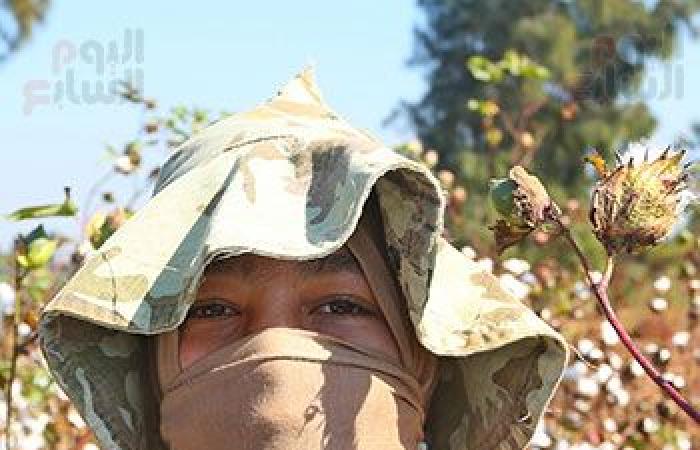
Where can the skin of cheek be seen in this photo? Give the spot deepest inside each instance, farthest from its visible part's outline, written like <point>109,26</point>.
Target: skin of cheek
<point>286,302</point>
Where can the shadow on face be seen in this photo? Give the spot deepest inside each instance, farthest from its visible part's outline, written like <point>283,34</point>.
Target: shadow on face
<point>247,294</point>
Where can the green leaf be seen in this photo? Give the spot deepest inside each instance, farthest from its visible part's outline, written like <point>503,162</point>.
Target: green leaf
<point>35,292</point>
<point>42,211</point>
<point>180,112</point>
<point>37,233</point>
<point>482,69</point>
<point>513,62</point>
<point>494,136</point>
<point>474,104</point>
<point>66,209</point>
<point>200,115</point>
<point>536,72</point>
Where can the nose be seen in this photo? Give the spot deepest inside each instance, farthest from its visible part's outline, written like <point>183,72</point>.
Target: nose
<point>274,307</point>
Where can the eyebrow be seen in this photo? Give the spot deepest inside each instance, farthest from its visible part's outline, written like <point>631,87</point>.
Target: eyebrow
<point>340,261</point>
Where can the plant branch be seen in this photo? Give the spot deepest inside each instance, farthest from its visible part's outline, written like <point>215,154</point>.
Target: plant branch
<point>600,290</point>
<point>20,274</point>
<point>90,196</point>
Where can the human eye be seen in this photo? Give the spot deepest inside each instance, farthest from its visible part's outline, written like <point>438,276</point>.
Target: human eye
<point>343,305</point>
<point>212,308</point>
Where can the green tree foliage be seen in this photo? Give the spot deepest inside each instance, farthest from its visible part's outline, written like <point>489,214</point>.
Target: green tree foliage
<point>17,25</point>
<point>536,83</point>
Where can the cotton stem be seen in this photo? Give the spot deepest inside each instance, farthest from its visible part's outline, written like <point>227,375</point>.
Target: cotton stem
<point>600,290</point>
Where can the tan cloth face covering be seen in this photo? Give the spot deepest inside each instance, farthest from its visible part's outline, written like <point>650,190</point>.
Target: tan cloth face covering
<point>294,389</point>
<point>286,389</point>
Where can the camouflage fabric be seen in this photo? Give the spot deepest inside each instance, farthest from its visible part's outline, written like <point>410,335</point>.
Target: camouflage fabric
<point>288,180</point>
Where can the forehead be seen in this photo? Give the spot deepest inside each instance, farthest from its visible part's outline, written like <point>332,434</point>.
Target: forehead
<point>249,265</point>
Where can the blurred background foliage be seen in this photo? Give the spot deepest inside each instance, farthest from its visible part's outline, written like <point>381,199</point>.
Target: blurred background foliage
<point>17,21</point>
<point>536,83</point>
<point>546,81</point>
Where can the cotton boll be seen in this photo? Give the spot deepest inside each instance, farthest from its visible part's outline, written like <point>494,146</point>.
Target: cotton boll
<point>7,298</point>
<point>608,334</point>
<point>540,438</point>
<point>516,266</point>
<point>485,264</point>
<point>658,304</point>
<point>681,339</point>
<point>516,287</point>
<point>587,387</point>
<point>662,284</point>
<point>585,346</point>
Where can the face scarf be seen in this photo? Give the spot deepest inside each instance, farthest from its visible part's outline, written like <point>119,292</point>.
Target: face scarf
<point>285,389</point>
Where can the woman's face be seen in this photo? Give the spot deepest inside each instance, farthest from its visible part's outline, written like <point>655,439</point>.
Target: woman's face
<point>247,294</point>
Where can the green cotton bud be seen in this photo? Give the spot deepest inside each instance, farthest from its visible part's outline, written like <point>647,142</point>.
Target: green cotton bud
<point>524,204</point>
<point>522,199</point>
<point>38,249</point>
<point>501,194</point>
<point>40,253</point>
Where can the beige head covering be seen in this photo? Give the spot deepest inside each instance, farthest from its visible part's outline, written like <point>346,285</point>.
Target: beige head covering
<point>287,389</point>
<point>294,161</point>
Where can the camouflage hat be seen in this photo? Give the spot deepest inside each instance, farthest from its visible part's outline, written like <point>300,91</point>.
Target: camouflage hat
<point>288,180</point>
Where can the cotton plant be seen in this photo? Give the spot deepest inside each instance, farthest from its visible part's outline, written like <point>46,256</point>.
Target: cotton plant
<point>35,271</point>
<point>636,204</point>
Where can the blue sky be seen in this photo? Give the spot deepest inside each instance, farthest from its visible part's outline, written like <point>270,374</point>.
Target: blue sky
<point>228,55</point>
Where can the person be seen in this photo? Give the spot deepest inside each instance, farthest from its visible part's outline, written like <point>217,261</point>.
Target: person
<point>288,287</point>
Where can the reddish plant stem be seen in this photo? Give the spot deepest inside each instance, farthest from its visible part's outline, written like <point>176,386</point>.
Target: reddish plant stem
<point>600,290</point>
